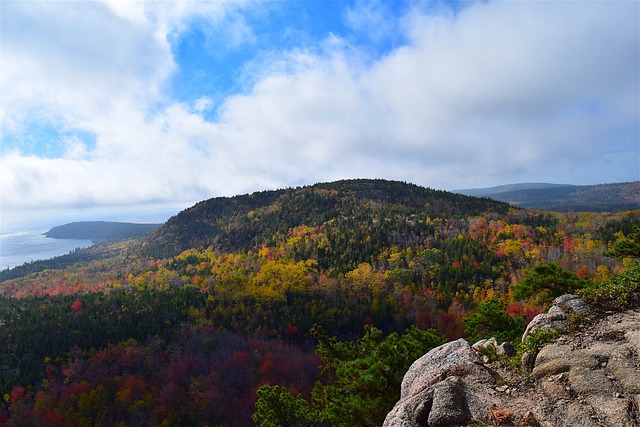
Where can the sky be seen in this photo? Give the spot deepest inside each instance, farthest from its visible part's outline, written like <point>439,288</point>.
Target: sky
<point>120,105</point>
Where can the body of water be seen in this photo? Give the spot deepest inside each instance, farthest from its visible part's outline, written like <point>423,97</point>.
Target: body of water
<point>18,247</point>
<point>21,238</point>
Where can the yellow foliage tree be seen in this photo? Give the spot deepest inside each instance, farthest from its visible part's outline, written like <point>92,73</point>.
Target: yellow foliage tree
<point>276,278</point>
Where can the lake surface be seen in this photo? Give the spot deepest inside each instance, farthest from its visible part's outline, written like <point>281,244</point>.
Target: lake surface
<point>18,247</point>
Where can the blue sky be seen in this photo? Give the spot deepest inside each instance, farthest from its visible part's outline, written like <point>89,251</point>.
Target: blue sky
<point>108,104</point>
<point>217,65</point>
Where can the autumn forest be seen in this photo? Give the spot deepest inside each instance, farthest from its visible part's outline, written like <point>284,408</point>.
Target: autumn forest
<point>299,306</point>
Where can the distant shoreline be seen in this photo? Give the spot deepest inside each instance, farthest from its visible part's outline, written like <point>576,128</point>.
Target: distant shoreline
<point>100,230</point>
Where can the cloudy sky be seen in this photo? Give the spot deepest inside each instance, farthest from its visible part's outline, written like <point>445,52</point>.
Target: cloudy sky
<point>113,103</point>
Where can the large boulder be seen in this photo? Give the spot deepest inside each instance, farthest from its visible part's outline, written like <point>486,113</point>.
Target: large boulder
<point>556,318</point>
<point>590,377</point>
<point>447,386</point>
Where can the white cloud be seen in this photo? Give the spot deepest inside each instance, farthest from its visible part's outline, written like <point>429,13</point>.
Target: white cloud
<point>372,19</point>
<point>202,104</point>
<point>499,92</point>
<point>75,149</point>
<point>490,94</point>
<point>73,63</point>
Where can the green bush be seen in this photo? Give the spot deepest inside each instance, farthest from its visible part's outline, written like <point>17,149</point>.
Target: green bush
<point>364,381</point>
<point>491,320</point>
<point>546,282</point>
<point>628,246</point>
<point>277,407</point>
<point>533,343</point>
<point>617,293</point>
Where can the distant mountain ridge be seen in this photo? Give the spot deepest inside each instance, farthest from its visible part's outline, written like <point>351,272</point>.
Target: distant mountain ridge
<point>564,197</point>
<point>100,230</point>
<point>506,188</point>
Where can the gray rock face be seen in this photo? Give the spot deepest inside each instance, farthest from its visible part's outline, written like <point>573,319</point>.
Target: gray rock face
<point>556,317</point>
<point>445,387</point>
<point>448,406</point>
<point>506,349</point>
<point>433,366</point>
<point>592,378</point>
<point>589,378</point>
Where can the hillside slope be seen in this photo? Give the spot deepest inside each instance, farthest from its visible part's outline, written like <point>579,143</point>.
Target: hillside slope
<point>240,222</point>
<point>268,286</point>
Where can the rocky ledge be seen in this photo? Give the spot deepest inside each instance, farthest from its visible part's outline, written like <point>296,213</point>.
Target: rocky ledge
<point>589,377</point>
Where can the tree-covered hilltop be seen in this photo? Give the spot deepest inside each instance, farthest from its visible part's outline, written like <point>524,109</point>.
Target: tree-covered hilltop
<point>382,207</point>
<point>317,292</point>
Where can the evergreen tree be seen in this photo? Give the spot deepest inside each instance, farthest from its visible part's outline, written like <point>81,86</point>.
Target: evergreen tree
<point>491,320</point>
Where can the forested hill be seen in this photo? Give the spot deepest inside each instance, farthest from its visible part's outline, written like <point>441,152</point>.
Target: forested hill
<point>100,230</point>
<point>314,299</point>
<point>348,209</point>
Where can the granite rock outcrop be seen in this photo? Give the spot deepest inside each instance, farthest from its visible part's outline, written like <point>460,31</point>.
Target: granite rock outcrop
<point>589,376</point>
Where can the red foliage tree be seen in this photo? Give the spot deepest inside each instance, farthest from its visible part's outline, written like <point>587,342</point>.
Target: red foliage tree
<point>76,306</point>
<point>291,330</point>
<point>18,394</point>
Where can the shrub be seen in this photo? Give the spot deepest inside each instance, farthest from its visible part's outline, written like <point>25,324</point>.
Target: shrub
<point>546,282</point>
<point>533,343</point>
<point>491,320</point>
<point>617,293</point>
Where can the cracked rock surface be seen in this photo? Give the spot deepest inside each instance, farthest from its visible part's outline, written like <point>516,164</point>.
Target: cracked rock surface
<point>447,386</point>
<point>593,377</point>
<point>588,378</point>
